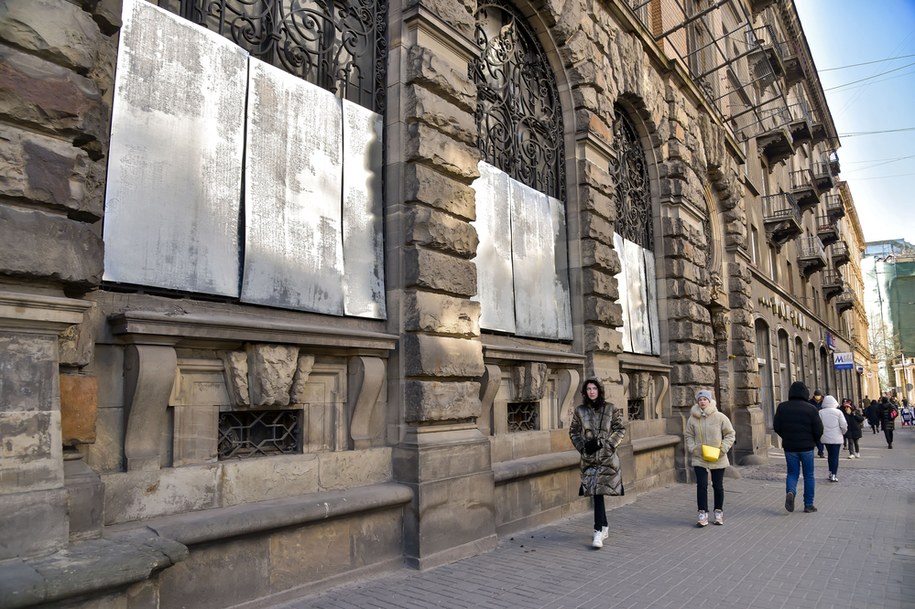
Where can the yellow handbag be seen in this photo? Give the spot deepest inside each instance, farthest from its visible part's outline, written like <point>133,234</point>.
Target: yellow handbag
<point>709,453</point>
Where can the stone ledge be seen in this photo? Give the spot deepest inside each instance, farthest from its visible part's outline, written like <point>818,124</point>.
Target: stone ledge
<point>508,471</point>
<point>86,567</point>
<point>132,552</point>
<point>654,442</point>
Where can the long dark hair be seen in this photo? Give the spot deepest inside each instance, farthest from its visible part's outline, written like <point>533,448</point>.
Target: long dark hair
<point>599,402</point>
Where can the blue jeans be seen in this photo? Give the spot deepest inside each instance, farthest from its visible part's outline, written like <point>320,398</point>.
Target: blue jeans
<point>795,462</point>
<point>832,457</point>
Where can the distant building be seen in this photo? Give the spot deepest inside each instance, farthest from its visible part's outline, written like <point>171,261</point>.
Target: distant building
<point>296,292</point>
<point>889,273</point>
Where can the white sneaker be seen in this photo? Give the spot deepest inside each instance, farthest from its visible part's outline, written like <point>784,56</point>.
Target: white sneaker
<point>598,541</point>
<point>851,455</point>
<point>605,532</point>
<point>719,517</point>
<point>703,519</point>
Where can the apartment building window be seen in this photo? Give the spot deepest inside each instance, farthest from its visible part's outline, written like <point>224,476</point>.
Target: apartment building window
<point>522,264</point>
<point>773,264</point>
<point>790,273</point>
<point>754,245</point>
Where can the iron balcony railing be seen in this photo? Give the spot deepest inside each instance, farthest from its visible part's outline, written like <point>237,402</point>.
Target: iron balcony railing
<point>780,207</point>
<point>811,248</point>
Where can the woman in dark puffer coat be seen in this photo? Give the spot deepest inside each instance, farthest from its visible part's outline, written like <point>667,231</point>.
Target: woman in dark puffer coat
<point>596,431</point>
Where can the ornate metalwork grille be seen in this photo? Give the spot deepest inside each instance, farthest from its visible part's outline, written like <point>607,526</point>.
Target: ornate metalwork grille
<point>339,45</point>
<point>636,409</point>
<point>523,416</point>
<point>518,115</point>
<point>259,433</point>
<point>633,191</point>
<point>709,240</point>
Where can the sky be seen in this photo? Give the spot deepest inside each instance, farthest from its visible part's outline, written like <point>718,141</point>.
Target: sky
<point>878,167</point>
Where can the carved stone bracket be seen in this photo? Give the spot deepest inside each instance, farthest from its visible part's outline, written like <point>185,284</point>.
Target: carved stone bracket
<point>492,377</point>
<point>364,383</point>
<point>568,381</point>
<point>529,382</point>
<point>266,375</point>
<point>149,372</point>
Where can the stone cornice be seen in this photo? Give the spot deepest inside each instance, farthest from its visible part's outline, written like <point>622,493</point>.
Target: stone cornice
<point>39,314</point>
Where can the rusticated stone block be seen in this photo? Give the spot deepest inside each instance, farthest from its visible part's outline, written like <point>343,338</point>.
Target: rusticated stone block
<point>441,314</point>
<point>599,283</point>
<point>425,144</point>
<point>432,109</point>
<point>426,355</point>
<point>425,184</point>
<point>56,29</point>
<point>456,14</point>
<point>601,255</point>
<point>439,271</point>
<point>78,408</point>
<point>597,202</point>
<point>34,90</point>
<point>430,401</point>
<point>606,340</point>
<point>432,228</point>
<point>48,170</point>
<point>692,374</point>
<point>606,311</point>
<point>595,227</point>
<point>687,330</point>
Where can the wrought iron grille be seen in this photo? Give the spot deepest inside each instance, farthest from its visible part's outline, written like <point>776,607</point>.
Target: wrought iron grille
<point>518,114</point>
<point>633,191</point>
<point>523,416</point>
<point>709,240</point>
<point>339,45</point>
<point>259,433</point>
<point>636,409</point>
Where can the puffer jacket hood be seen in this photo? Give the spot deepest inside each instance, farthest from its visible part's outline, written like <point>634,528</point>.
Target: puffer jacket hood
<point>798,391</point>
<point>697,412</point>
<point>711,427</point>
<point>834,423</point>
<point>830,402</point>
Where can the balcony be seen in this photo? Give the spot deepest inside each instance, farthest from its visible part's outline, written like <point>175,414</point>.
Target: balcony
<point>775,145</point>
<point>822,176</point>
<point>833,284</point>
<point>794,73</point>
<point>838,251</point>
<point>782,218</point>
<point>845,301</point>
<point>811,256</point>
<point>765,55</point>
<point>801,125</point>
<point>758,6</point>
<point>835,208</point>
<point>805,195</point>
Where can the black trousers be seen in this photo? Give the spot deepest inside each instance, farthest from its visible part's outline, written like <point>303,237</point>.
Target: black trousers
<point>702,487</point>
<point>600,513</point>
<point>888,434</point>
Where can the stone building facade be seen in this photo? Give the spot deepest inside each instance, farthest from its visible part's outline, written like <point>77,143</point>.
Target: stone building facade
<point>314,291</point>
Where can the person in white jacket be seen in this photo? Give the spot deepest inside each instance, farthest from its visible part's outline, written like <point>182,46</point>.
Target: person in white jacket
<point>834,428</point>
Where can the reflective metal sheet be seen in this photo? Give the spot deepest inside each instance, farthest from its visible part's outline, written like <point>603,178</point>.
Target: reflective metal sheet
<point>293,194</point>
<point>639,327</point>
<point>363,246</point>
<point>561,265</point>
<point>622,280</point>
<point>494,253</point>
<point>175,159</point>
<point>651,301</point>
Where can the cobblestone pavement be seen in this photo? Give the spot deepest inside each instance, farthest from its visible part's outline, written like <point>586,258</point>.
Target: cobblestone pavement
<point>857,552</point>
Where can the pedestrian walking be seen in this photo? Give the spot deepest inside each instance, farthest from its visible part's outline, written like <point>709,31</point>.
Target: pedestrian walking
<point>887,414</point>
<point>596,431</point>
<point>834,428</point>
<point>854,419</point>
<point>873,417</point>
<point>817,401</point>
<point>799,426</point>
<point>709,428</point>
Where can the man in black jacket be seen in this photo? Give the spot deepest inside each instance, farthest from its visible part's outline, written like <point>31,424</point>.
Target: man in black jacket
<point>798,424</point>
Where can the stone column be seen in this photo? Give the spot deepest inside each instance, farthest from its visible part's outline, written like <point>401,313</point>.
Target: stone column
<point>33,498</point>
<point>432,161</point>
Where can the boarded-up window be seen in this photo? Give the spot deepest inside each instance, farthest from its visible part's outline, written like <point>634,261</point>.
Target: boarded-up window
<point>195,117</point>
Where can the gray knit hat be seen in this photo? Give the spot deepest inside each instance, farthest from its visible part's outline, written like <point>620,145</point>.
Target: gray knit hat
<point>704,393</point>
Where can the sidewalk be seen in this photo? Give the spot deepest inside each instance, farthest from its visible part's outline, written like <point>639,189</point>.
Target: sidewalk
<point>857,552</point>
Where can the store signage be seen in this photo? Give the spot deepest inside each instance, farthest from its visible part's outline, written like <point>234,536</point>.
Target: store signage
<point>785,311</point>
<point>830,341</point>
<point>843,361</point>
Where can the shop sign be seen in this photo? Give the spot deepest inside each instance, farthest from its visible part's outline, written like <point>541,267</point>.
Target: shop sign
<point>843,361</point>
<point>785,312</point>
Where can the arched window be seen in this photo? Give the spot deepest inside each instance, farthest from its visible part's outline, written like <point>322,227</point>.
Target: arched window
<point>764,360</point>
<point>633,239</point>
<point>522,265</point>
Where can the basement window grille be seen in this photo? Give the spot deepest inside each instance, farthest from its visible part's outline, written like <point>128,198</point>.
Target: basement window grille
<point>523,416</point>
<point>245,434</point>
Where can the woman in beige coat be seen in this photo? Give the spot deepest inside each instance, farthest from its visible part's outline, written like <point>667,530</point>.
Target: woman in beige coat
<point>708,426</point>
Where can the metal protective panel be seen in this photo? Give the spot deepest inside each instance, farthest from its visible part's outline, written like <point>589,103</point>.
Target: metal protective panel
<point>651,301</point>
<point>363,245</point>
<point>494,258</point>
<point>293,194</point>
<point>639,327</point>
<point>175,158</point>
<point>622,281</point>
<point>561,264</point>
